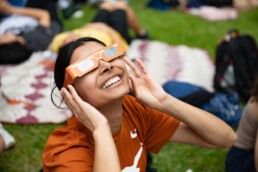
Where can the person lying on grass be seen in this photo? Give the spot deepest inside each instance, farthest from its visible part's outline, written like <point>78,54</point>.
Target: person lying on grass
<point>27,29</point>
<point>110,24</point>
<point>111,130</point>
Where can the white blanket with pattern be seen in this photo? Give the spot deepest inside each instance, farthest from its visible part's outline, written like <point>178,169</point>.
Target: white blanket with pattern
<point>179,63</point>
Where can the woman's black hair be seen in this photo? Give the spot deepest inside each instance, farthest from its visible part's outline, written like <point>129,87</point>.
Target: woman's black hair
<point>13,53</point>
<point>63,60</point>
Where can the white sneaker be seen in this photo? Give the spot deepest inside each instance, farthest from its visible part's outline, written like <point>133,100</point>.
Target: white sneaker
<point>8,138</point>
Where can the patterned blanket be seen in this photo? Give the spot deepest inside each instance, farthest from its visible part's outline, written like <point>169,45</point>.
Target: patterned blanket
<point>25,92</point>
<point>179,63</point>
<point>26,88</point>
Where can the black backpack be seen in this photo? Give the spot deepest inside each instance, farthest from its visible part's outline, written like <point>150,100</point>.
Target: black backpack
<point>220,3</point>
<point>236,64</point>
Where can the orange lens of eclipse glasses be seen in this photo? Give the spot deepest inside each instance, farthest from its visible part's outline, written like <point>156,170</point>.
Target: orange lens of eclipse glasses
<point>88,63</point>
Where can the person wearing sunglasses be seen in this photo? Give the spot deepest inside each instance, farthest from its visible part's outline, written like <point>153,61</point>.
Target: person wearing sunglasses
<point>110,24</point>
<point>111,130</point>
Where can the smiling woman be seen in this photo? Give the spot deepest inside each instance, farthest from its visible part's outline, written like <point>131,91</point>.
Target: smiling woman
<point>90,62</point>
<point>111,130</point>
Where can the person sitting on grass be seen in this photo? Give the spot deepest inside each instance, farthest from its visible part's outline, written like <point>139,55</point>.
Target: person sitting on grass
<point>110,24</point>
<point>111,130</point>
<point>243,156</point>
<point>28,29</point>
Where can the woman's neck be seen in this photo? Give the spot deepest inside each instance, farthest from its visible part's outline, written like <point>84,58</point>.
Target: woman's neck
<point>114,114</point>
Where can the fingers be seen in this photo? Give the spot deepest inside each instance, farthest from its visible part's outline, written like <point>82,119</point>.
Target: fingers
<point>142,66</point>
<point>74,94</point>
<point>69,100</point>
<point>133,67</point>
<point>131,86</point>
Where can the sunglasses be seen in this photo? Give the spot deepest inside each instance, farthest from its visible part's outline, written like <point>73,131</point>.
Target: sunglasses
<point>91,62</point>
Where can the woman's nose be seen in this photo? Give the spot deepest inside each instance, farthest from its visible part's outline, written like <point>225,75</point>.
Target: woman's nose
<point>104,66</point>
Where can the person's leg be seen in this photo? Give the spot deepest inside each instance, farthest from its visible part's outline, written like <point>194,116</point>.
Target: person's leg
<point>2,145</point>
<point>119,23</point>
<point>104,13</point>
<point>132,19</point>
<point>49,5</point>
<point>239,160</point>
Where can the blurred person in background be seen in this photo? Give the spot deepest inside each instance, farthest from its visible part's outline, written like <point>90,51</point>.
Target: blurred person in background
<point>243,156</point>
<point>27,29</point>
<point>110,24</point>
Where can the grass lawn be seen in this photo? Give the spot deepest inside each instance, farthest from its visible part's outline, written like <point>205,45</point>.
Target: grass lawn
<point>173,27</point>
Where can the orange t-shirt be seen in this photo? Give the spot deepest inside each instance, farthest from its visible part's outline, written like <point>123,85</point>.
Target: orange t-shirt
<point>71,147</point>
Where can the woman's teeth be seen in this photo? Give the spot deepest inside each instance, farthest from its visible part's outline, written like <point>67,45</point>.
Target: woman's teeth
<point>111,82</point>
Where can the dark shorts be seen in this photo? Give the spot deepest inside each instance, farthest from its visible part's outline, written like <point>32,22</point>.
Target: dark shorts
<point>239,160</point>
<point>116,19</point>
<point>49,5</point>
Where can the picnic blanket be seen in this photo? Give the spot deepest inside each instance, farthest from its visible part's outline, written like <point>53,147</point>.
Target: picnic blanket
<point>179,63</point>
<point>25,92</point>
<point>26,88</point>
<point>212,13</point>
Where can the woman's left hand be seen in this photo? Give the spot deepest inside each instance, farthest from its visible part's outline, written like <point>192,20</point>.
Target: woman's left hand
<point>144,87</point>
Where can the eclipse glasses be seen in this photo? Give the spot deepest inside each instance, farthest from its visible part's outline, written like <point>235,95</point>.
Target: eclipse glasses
<point>91,62</point>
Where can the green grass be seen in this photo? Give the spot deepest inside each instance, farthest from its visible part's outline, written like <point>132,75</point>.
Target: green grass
<point>173,27</point>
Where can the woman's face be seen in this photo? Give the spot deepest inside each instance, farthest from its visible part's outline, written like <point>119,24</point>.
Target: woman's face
<point>108,82</point>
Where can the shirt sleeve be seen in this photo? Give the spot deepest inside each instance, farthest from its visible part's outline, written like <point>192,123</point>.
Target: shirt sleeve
<point>66,150</point>
<point>160,129</point>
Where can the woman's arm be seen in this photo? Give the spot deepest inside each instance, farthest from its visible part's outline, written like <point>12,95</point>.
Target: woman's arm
<point>197,126</point>
<point>41,15</point>
<point>256,152</point>
<point>105,157</point>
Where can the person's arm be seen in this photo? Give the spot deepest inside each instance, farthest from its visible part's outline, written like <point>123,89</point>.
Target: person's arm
<point>256,152</point>
<point>106,157</point>
<point>41,15</point>
<point>197,126</point>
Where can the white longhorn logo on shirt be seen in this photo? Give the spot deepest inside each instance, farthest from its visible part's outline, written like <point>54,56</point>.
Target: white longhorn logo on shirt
<point>134,168</point>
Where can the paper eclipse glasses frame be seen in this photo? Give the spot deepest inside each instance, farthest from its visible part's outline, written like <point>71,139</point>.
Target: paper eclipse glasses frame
<point>90,62</point>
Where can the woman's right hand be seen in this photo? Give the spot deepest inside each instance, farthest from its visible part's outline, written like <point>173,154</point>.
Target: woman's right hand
<point>105,157</point>
<point>83,111</point>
